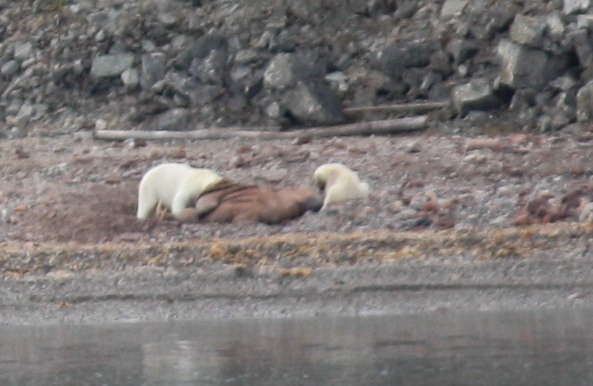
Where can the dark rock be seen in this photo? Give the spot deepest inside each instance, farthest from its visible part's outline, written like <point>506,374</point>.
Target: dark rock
<point>529,30</point>
<point>575,6</point>
<point>211,68</point>
<point>462,49</point>
<point>201,49</point>
<point>153,69</point>
<point>130,78</point>
<point>523,99</point>
<point>23,51</point>
<point>522,66</point>
<point>9,68</point>
<point>566,102</point>
<point>247,56</point>
<point>559,120</point>
<point>477,95</point>
<point>204,94</point>
<point>249,86</point>
<point>311,63</point>
<point>585,102</point>
<point>429,80</point>
<point>167,19</point>
<point>313,103</point>
<point>583,46</point>
<point>492,22</point>
<point>394,59</point>
<point>564,83</point>
<point>556,27</point>
<point>175,120</point>
<point>440,63</point>
<point>585,22</point>
<point>177,83</point>
<point>279,73</point>
<point>111,65</point>
<point>304,10</point>
<point>453,8</point>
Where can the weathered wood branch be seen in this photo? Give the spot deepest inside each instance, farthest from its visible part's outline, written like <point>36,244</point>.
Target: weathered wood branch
<point>391,126</point>
<point>420,107</point>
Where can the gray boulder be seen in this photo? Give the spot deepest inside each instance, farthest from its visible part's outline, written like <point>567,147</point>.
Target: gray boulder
<point>575,6</point>
<point>279,73</point>
<point>23,51</point>
<point>313,103</point>
<point>394,59</point>
<point>107,66</point>
<point>201,49</point>
<point>453,8</point>
<point>529,30</point>
<point>153,69</point>
<point>476,95</point>
<point>462,49</point>
<point>523,66</point>
<point>176,119</point>
<point>210,69</point>
<point>585,102</point>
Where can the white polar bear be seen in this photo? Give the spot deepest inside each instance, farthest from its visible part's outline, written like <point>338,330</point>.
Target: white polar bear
<point>176,186</point>
<point>339,183</point>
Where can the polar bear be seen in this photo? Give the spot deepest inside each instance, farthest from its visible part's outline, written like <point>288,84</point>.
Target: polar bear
<point>339,183</point>
<point>176,186</point>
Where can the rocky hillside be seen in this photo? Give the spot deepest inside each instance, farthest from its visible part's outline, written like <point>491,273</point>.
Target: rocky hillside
<point>178,65</point>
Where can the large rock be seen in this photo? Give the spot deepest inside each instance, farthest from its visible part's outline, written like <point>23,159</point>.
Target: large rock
<point>280,73</point>
<point>130,78</point>
<point>23,51</point>
<point>453,8</point>
<point>529,30</point>
<point>476,95</point>
<point>9,68</point>
<point>582,43</point>
<point>213,41</point>
<point>462,49</point>
<point>523,66</point>
<point>175,120</point>
<point>585,102</point>
<point>106,66</point>
<point>575,6</point>
<point>313,103</point>
<point>210,69</point>
<point>394,59</point>
<point>153,69</point>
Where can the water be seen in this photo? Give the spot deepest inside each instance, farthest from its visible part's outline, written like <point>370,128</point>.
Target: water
<point>445,349</point>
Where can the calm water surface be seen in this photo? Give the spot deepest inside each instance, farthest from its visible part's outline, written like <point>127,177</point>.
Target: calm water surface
<point>444,349</point>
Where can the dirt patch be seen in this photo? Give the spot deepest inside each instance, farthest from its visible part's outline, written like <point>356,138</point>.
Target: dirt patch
<point>98,214</point>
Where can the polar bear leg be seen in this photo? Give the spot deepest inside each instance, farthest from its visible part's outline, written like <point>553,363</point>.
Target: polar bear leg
<point>147,202</point>
<point>329,197</point>
<point>180,209</point>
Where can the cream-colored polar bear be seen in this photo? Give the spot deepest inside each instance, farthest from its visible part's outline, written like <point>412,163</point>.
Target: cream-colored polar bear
<point>339,183</point>
<point>176,186</point>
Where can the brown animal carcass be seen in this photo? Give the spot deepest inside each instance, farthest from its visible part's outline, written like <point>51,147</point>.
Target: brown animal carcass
<point>229,201</point>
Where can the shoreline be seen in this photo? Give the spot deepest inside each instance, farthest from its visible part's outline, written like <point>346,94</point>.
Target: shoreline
<point>556,273</point>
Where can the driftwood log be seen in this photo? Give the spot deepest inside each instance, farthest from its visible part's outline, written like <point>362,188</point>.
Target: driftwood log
<point>420,107</point>
<point>383,127</point>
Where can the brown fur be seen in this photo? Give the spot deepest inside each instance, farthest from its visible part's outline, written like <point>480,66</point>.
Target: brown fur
<point>228,201</point>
